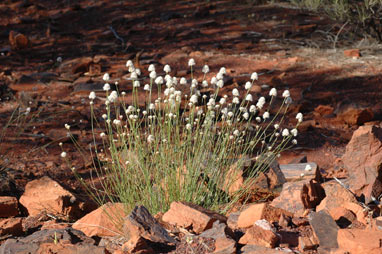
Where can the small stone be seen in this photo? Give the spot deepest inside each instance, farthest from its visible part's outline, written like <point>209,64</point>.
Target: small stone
<point>225,245</point>
<point>359,241</point>
<point>261,233</point>
<point>11,226</point>
<point>8,207</point>
<point>306,243</point>
<point>325,229</point>
<point>353,53</point>
<point>18,40</point>
<point>256,249</point>
<point>192,217</point>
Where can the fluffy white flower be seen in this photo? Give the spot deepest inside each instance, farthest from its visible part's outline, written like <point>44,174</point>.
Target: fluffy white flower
<point>220,83</point>
<point>106,87</point>
<point>150,139</point>
<point>151,68</point>
<point>266,115</point>
<point>220,76</point>
<point>246,115</point>
<point>222,70</point>
<point>136,83</point>
<point>159,80</point>
<point>285,133</point>
<point>249,97</point>
<point>188,126</point>
<point>146,87</point>
<point>113,96</point>
<point>235,92</point>
<point>116,122</point>
<point>308,167</point>
<point>67,126</point>
<point>222,101</point>
<point>205,69</point>
<point>276,126</point>
<point>194,99</point>
<point>133,75</point>
<point>167,68</point>
<point>286,94</point>
<point>106,77</point>
<point>260,103</point>
<point>294,141</point>
<point>92,95</point>
<point>204,83</point>
<point>183,81</point>
<point>299,117</point>
<point>294,132</point>
<point>214,80</point>
<point>254,76</point>
<point>252,109</point>
<point>194,83</point>
<point>129,63</point>
<point>104,116</point>
<point>138,71</point>
<point>63,154</point>
<point>102,135</point>
<point>236,133</point>
<point>235,100</point>
<point>248,85</point>
<point>258,119</point>
<point>153,75</point>
<point>191,62</point>
<point>152,106</point>
<point>273,92</point>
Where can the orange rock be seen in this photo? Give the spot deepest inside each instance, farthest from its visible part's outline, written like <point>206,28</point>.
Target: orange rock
<point>261,233</point>
<point>105,221</point>
<point>359,241</point>
<point>191,216</point>
<point>18,41</point>
<point>356,116</point>
<point>46,195</point>
<point>8,207</point>
<point>11,226</point>
<point>260,211</point>
<point>358,210</point>
<point>225,245</point>
<point>336,195</point>
<point>324,110</point>
<point>354,53</point>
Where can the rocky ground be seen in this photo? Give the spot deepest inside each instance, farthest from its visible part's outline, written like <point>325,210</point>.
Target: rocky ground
<point>53,53</point>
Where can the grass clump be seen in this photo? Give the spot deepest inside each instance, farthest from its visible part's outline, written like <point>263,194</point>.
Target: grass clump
<point>183,140</point>
<point>364,16</point>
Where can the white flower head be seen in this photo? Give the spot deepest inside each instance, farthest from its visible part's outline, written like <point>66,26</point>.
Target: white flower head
<point>104,116</point>
<point>258,119</point>
<point>285,133</point>
<point>276,126</point>
<point>273,92</point>
<point>266,115</point>
<point>294,141</point>
<point>286,94</point>
<point>204,83</point>
<point>102,135</point>
<point>151,68</point>
<point>214,80</point>
<point>205,69</point>
<point>308,167</point>
<point>159,81</point>
<point>117,122</point>
<point>260,103</point>
<point>67,126</point>
<point>252,109</point>
<point>138,71</point>
<point>63,154</point>
<point>299,117</point>
<point>129,63</point>
<point>246,115</point>
<point>146,87</point>
<point>294,132</point>
<point>167,68</point>
<point>191,62</point>
<point>92,95</point>
<point>188,126</point>
<point>223,70</point>
<point>136,83</point>
<point>152,106</point>
<point>106,77</point>
<point>183,81</point>
<point>235,92</point>
<point>153,75</point>
<point>222,101</point>
<point>150,139</point>
<point>106,87</point>
<point>134,75</point>
<point>194,99</point>
<point>220,76</point>
<point>235,100</point>
<point>248,85</point>
<point>236,133</point>
<point>249,97</point>
<point>254,76</point>
<point>220,83</point>
<point>113,96</point>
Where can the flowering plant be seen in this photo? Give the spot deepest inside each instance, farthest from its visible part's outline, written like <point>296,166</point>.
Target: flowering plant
<point>186,141</point>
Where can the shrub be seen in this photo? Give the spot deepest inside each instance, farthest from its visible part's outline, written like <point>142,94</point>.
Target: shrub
<point>185,142</point>
<point>366,14</point>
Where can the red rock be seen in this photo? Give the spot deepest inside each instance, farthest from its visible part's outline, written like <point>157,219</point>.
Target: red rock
<point>356,116</point>
<point>324,110</point>
<point>11,226</point>
<point>137,244</point>
<point>225,245</point>
<point>354,53</point>
<point>255,249</point>
<point>312,194</point>
<point>8,207</point>
<point>359,241</point>
<point>46,195</point>
<point>363,161</point>
<point>290,198</point>
<point>18,41</point>
<point>306,243</point>
<point>260,211</point>
<point>103,221</point>
<point>261,233</point>
<point>68,248</point>
<point>53,224</point>
<point>358,210</point>
<point>191,216</point>
<point>336,195</point>
<point>343,217</point>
